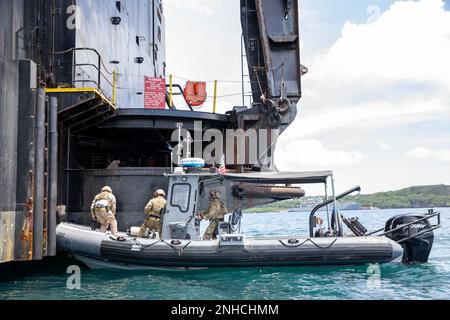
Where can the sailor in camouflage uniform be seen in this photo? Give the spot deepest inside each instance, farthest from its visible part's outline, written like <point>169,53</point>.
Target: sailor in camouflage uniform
<point>103,210</point>
<point>153,210</point>
<point>215,215</point>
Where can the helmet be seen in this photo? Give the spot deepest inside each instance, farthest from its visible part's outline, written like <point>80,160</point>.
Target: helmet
<point>161,192</point>
<point>107,189</point>
<point>214,194</point>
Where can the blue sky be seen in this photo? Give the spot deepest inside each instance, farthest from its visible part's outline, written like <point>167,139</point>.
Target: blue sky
<point>330,17</point>
<point>333,15</point>
<point>376,103</point>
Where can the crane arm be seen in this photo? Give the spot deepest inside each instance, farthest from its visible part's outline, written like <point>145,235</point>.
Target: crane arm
<point>272,45</point>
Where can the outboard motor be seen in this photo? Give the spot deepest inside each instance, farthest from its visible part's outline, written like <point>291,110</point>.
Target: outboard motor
<point>414,233</point>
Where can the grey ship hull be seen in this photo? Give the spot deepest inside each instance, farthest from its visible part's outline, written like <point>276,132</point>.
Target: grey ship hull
<point>347,207</point>
<point>98,250</point>
<point>71,53</point>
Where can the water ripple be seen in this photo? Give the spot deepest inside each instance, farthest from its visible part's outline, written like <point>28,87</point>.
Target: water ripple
<point>396,281</point>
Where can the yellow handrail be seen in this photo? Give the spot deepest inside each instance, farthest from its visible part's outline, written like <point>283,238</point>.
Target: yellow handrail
<point>215,97</point>
<point>79,90</point>
<point>114,95</point>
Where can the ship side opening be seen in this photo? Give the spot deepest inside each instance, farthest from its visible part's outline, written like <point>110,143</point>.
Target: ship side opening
<point>125,148</point>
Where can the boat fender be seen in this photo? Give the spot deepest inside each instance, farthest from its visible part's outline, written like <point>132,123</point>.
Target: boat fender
<point>298,244</point>
<point>134,231</point>
<point>292,243</point>
<point>119,238</point>
<point>175,243</point>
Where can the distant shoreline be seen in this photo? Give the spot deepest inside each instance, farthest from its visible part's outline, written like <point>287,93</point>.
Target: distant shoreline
<point>417,197</point>
<point>282,210</point>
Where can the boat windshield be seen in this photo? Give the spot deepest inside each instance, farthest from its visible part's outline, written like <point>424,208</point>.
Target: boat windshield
<point>180,196</point>
<point>281,177</point>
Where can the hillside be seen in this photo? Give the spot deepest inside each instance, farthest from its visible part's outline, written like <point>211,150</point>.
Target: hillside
<point>413,197</point>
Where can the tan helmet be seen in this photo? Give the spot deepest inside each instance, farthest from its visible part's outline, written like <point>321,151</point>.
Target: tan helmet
<point>214,194</point>
<point>161,192</point>
<point>107,189</point>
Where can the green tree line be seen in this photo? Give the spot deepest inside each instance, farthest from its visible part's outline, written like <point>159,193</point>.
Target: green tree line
<point>414,197</point>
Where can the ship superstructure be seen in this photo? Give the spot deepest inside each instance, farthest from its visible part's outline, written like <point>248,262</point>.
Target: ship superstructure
<point>114,45</point>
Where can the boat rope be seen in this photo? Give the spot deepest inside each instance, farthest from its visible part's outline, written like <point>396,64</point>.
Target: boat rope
<point>147,246</point>
<point>304,242</point>
<point>129,75</point>
<point>259,84</point>
<point>179,251</point>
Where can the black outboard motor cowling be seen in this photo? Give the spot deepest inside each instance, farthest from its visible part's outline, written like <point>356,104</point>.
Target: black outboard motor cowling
<point>419,242</point>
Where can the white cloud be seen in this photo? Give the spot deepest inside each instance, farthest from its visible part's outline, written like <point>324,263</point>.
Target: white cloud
<point>385,73</point>
<point>420,153</point>
<point>372,84</point>
<point>367,114</point>
<point>426,153</point>
<point>314,153</point>
<point>384,145</point>
<point>205,7</point>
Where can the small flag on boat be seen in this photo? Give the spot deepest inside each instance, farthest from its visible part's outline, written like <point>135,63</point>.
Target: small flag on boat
<point>223,167</point>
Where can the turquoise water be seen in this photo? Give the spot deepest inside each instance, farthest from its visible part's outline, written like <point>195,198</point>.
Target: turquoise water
<point>395,281</point>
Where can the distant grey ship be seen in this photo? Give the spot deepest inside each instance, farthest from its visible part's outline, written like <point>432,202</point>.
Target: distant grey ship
<point>346,206</point>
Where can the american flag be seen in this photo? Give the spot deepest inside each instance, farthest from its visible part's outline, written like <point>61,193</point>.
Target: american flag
<point>223,167</point>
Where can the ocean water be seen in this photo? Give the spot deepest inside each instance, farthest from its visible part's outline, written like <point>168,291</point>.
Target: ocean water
<point>393,281</point>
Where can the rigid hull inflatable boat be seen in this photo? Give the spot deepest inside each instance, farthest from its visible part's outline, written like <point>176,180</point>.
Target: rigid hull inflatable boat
<point>407,237</point>
<point>98,250</point>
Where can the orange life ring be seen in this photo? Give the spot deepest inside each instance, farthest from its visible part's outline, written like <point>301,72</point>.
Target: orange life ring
<point>195,93</point>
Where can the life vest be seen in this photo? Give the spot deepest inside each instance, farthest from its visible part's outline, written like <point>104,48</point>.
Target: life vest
<point>103,201</point>
<point>155,207</point>
<point>217,210</point>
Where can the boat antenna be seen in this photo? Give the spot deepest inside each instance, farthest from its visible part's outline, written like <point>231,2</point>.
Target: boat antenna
<point>189,141</point>
<point>180,145</point>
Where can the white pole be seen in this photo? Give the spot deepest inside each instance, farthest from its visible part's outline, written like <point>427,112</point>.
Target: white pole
<point>180,145</point>
<point>328,208</point>
<point>188,144</point>
<point>337,215</point>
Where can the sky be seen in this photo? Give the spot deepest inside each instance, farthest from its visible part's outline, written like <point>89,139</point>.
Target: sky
<point>376,102</point>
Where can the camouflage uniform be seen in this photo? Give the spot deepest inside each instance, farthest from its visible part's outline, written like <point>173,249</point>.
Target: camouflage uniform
<point>153,210</point>
<point>215,214</point>
<point>103,210</point>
